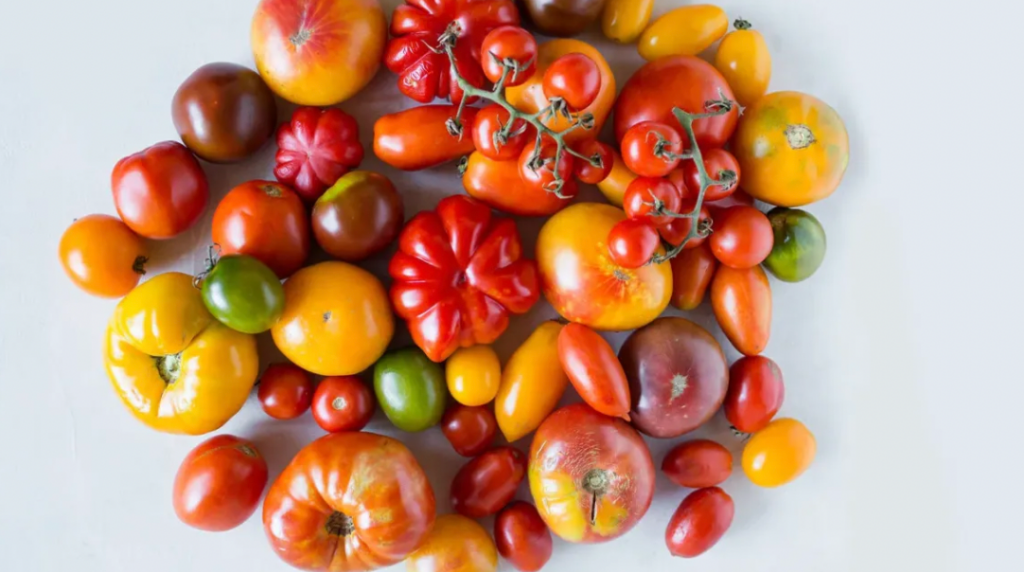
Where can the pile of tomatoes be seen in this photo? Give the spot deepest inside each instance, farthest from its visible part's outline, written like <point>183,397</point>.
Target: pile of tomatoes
<point>682,225</point>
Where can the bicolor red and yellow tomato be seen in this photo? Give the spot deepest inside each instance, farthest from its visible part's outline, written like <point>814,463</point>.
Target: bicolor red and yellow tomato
<point>455,544</point>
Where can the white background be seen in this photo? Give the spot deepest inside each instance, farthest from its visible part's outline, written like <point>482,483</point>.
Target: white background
<point>900,354</point>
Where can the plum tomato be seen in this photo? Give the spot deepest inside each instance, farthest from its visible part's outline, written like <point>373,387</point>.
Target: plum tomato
<point>219,483</point>
<point>575,78</point>
<point>743,237</point>
<point>342,403</point>
<point>676,231</point>
<point>718,163</point>
<point>779,453</point>
<point>102,256</point>
<point>651,148</point>
<point>700,522</point>
<point>588,172</point>
<point>512,47</point>
<point>642,195</point>
<point>455,544</point>
<point>632,242</point>
<point>473,375</point>
<point>541,174</point>
<point>243,294</point>
<point>594,370</point>
<point>692,271</point>
<point>688,30</point>
<point>487,483</point>
<point>745,62</point>
<point>285,391</point>
<point>697,464</point>
<point>489,138</point>
<point>756,392</point>
<point>522,537</point>
<point>470,430</point>
<point>742,303</point>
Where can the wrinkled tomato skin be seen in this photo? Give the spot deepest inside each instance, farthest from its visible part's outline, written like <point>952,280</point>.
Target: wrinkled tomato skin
<point>470,430</point>
<point>522,537</point>
<point>487,483</point>
<point>417,138</point>
<point>697,464</point>
<point>699,523</point>
<point>219,483</point>
<point>756,392</point>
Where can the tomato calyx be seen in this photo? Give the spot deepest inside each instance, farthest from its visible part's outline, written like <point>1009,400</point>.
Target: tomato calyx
<point>139,265</point>
<point>169,367</point>
<point>595,482</point>
<point>340,524</point>
<point>741,24</point>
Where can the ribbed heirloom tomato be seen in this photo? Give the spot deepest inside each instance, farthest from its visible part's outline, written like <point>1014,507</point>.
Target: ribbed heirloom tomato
<point>315,149</point>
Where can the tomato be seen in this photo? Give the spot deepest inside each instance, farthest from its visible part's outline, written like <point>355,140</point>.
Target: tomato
<point>508,47</point>
<point>594,370</point>
<point>799,246</point>
<point>614,186</point>
<point>160,191</point>
<point>575,78</point>
<point>738,197</point>
<point>488,138</point>
<point>685,82</point>
<point>458,274</point>
<point>697,464</point>
<point>219,483</point>
<point>358,217</point>
<point>265,220</point>
<point>779,453</point>
<point>745,62</point>
<point>484,485</point>
<point>470,430</point>
<point>336,320</point>
<point>716,162</point>
<point>584,284</point>
<point>743,237</point>
<point>318,52</point>
<point>756,391</point>
<point>498,185</point>
<point>410,389</point>
<point>676,231</point>
<point>641,145</point>
<point>102,256</point>
<point>473,375</point>
<point>349,501</point>
<point>417,138</point>
<point>174,367</point>
<point>692,271</point>
<point>624,20</point>
<point>342,403</point>
<point>561,17</point>
<point>632,242</point>
<point>699,523</point>
<point>522,537</point>
<point>685,31</point>
<point>456,544</point>
<point>588,172</point>
<point>531,384</point>
<point>243,294</point>
<point>285,391</point>
<point>793,149</point>
<point>315,149</point>
<point>591,475</point>
<point>644,192</point>
<point>677,376</point>
<point>543,171</point>
<point>224,112</point>
<point>742,302</point>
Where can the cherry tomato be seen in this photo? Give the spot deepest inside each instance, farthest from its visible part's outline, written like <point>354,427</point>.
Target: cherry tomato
<point>589,173</point>
<point>697,464</point>
<point>675,231</point>
<point>102,256</point>
<point>487,483</point>
<point>594,370</point>
<point>342,403</point>
<point>470,430</point>
<point>692,271</point>
<point>285,391</point>
<point>647,148</point>
<point>779,453</point>
<point>638,202</point>
<point>633,242</point>
<point>755,393</point>
<point>743,237</point>
<point>473,375</point>
<point>700,522</point>
<point>575,78</point>
<point>522,537</point>
<point>219,484</point>
<point>507,44</point>
<point>716,162</point>
<point>543,177</point>
<point>486,134</point>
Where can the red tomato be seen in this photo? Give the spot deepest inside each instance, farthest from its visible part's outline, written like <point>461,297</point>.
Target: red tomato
<point>522,537</point>
<point>499,186</point>
<point>716,163</point>
<point>586,171</point>
<point>285,391</point>
<point>643,192</point>
<point>632,242</point>
<point>742,302</point>
<point>697,464</point>
<point>692,271</point>
<point>487,136</point>
<point>512,47</point>
<point>755,393</point>
<point>594,370</point>
<point>102,256</point>
<point>160,191</point>
<point>487,483</point>
<point>738,197</point>
<point>575,78</point>
<point>542,175</point>
<point>648,148</point>
<point>315,149</point>
<point>743,237</point>
<point>470,430</point>
<point>267,221</point>
<point>219,484</point>
<point>677,230</point>
<point>699,523</point>
<point>343,403</point>
<point>417,138</point>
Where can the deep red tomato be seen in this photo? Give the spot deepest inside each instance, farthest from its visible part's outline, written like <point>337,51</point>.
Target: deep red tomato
<point>692,271</point>
<point>219,484</point>
<point>594,370</point>
<point>510,45</point>
<point>641,194</point>
<point>675,231</point>
<point>543,176</point>
<point>417,138</point>
<point>586,171</point>
<point>756,392</point>
<point>470,430</point>
<point>160,191</point>
<point>487,129</point>
<point>343,403</point>
<point>699,523</point>
<point>716,163</point>
<point>742,302</point>
<point>285,391</point>
<point>743,237</point>
<point>697,464</point>
<point>575,78</point>
<point>315,149</point>
<point>487,483</point>
<point>522,537</point>
<point>641,146</point>
<point>632,242</point>
<point>267,221</point>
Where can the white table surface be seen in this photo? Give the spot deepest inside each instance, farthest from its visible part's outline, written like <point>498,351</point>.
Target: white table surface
<point>895,354</point>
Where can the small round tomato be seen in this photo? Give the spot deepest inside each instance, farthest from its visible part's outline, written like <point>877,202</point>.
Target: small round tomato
<point>574,78</point>
<point>265,220</point>
<point>700,522</point>
<point>473,375</point>
<point>676,231</point>
<point>540,173</point>
<point>755,393</point>
<point>799,247</point>
<point>160,191</point>
<point>102,256</point>
<point>651,149</point>
<point>360,215</point>
<point>642,195</point>
<point>743,237</point>
<point>285,391</point>
<point>243,294</point>
<point>522,537</point>
<point>455,544</point>
<point>588,172</point>
<point>779,453</point>
<point>219,484</point>
<point>342,403</point>
<point>692,271</point>
<point>718,163</point>
<point>491,141</point>
<point>487,483</point>
<point>470,430</point>
<point>508,47</point>
<point>633,242</point>
<point>697,464</point>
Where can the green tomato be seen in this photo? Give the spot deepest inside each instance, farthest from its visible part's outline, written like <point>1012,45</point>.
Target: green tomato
<point>410,389</point>
<point>799,244</point>
<point>243,294</point>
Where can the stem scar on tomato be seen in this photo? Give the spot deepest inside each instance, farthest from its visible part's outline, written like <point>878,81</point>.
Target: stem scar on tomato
<point>595,482</point>
<point>169,367</point>
<point>799,136</point>
<point>327,317</point>
<point>340,524</point>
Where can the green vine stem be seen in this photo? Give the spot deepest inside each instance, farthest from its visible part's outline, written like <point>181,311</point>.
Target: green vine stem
<point>212,257</point>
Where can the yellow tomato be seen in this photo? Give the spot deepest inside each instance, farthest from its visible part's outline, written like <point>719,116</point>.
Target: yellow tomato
<point>744,61</point>
<point>615,184</point>
<point>685,31</point>
<point>793,149</point>
<point>473,374</point>
<point>532,383</point>
<point>455,544</point>
<point>779,453</point>
<point>624,20</point>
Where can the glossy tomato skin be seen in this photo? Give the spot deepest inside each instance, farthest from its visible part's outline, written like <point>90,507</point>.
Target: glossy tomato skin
<point>624,20</point>
<point>102,256</point>
<point>473,375</point>
<point>498,185</point>
<point>575,78</point>
<point>756,392</point>
<point>688,30</point>
<point>508,43</point>
<point>799,247</point>
<point>285,391</point>
<point>543,177</point>
<point>470,430</point>
<point>484,485</point>
<point>742,302</point>
<point>586,171</point>
<point>314,523</point>
<point>563,17</point>
<point>522,537</point>
<point>699,523</point>
<point>360,215</point>
<point>639,148</point>
<point>315,148</point>
<point>743,237</point>
<point>744,60</point>
<point>738,197</point>
<point>410,389</point>
<point>632,243</point>
<point>160,191</point>
<point>591,476</point>
<point>594,370</point>
<point>697,464</point>
<point>219,484</point>
<point>455,544</point>
<point>676,231</point>
<point>416,138</point>
<point>716,163</point>
<point>614,186</point>
<point>692,271</point>
<point>243,294</point>
<point>489,122</point>
<point>531,384</point>
<point>779,453</point>
<point>638,202</point>
<point>343,403</point>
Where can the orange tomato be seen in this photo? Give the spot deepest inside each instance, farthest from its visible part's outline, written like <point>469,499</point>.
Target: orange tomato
<point>456,544</point>
<point>692,271</point>
<point>582,282</point>
<point>779,453</point>
<point>742,302</point>
<point>498,184</point>
<point>744,61</point>
<point>531,384</point>
<point>615,184</point>
<point>102,256</point>
<point>685,31</point>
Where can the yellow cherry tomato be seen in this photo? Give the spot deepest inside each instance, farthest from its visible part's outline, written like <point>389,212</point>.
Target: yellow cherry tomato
<point>532,383</point>
<point>473,375</point>
<point>744,61</point>
<point>615,184</point>
<point>624,20</point>
<point>685,31</point>
<point>779,453</point>
<point>455,544</point>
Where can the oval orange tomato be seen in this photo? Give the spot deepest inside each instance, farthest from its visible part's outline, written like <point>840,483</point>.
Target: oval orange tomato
<point>594,370</point>
<point>624,20</point>
<point>473,375</point>
<point>744,61</point>
<point>742,302</point>
<point>531,384</point>
<point>499,185</point>
<point>685,31</point>
<point>779,453</point>
<point>456,544</point>
<point>102,256</point>
<point>615,184</point>
<point>417,138</point>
